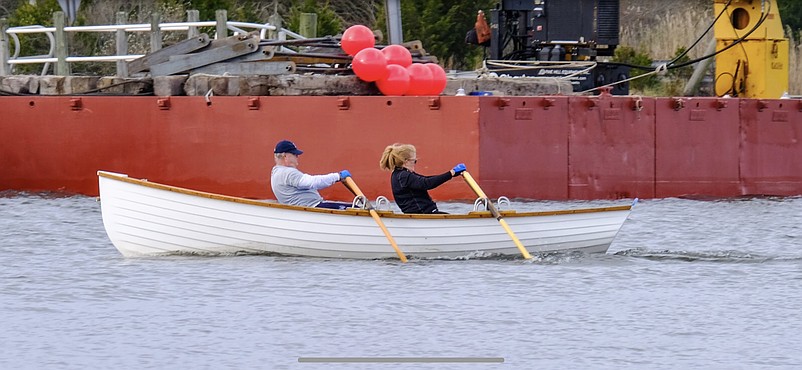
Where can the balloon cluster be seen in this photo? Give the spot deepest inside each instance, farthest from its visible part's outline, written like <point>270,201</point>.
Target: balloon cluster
<point>391,68</point>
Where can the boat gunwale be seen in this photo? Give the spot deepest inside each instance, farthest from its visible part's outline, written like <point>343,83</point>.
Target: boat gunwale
<point>349,211</point>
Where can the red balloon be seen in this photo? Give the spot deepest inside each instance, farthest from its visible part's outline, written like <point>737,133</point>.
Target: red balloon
<point>356,38</point>
<point>369,64</point>
<point>397,54</point>
<point>439,79</point>
<point>420,79</point>
<point>396,82</point>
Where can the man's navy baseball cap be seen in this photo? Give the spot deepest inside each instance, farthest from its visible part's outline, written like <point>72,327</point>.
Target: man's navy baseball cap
<point>286,146</point>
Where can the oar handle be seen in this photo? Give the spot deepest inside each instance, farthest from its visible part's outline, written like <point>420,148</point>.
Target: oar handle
<point>351,185</point>
<point>472,183</point>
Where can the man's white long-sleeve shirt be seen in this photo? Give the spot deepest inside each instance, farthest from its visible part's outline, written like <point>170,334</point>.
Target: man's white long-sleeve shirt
<point>294,187</point>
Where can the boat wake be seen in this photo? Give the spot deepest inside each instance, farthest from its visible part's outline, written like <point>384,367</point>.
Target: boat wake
<point>725,256</point>
<point>217,254</point>
<point>538,258</point>
<point>555,258</point>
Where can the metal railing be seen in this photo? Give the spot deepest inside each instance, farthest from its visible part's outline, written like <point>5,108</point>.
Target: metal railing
<point>58,51</point>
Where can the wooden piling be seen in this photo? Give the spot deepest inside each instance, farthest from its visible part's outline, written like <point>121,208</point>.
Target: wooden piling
<point>5,68</point>
<point>155,32</point>
<point>221,16</point>
<point>193,16</point>
<point>122,45</point>
<point>308,25</point>
<point>62,67</point>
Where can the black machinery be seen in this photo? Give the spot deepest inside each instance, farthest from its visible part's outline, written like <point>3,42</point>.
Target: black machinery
<point>563,36</point>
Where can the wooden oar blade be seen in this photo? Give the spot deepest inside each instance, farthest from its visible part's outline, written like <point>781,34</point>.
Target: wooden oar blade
<point>351,185</point>
<point>481,194</point>
<point>387,234</point>
<point>515,239</point>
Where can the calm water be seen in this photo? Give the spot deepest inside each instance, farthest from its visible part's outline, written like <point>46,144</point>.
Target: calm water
<point>687,284</point>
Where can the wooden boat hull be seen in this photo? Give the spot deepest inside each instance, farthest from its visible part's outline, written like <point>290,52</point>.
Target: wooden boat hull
<point>146,219</point>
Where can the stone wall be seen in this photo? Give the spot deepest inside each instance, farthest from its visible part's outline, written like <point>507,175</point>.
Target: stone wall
<point>273,85</point>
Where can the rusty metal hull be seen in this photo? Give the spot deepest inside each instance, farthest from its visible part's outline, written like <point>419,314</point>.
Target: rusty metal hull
<point>545,147</point>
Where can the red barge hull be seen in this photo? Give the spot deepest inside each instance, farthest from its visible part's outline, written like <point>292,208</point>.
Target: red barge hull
<point>546,147</point>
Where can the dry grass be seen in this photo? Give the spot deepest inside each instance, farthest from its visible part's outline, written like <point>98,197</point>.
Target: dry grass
<point>659,28</point>
<point>795,63</point>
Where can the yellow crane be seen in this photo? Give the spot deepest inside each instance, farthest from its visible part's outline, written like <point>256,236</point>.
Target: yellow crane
<point>755,62</point>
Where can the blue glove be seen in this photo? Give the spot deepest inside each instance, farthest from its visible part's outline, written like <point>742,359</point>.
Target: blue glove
<point>459,169</point>
<point>344,174</point>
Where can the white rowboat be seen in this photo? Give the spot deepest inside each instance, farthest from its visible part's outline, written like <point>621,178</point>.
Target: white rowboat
<point>143,218</point>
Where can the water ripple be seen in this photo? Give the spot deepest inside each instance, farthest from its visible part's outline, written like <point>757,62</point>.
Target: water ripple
<point>687,283</point>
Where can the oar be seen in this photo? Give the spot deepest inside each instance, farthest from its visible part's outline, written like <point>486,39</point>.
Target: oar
<point>494,211</point>
<point>351,185</point>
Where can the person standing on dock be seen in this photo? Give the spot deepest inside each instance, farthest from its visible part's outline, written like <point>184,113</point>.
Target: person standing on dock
<point>410,189</point>
<point>294,187</point>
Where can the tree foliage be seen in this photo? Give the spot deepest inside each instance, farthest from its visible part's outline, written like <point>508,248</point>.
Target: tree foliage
<point>35,43</point>
<point>441,27</point>
<point>39,14</point>
<point>791,13</point>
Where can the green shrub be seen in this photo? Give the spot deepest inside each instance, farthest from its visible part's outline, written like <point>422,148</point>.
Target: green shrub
<point>628,55</point>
